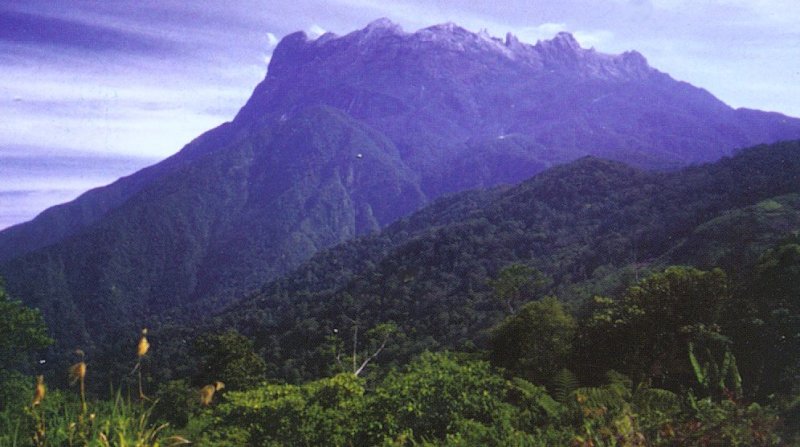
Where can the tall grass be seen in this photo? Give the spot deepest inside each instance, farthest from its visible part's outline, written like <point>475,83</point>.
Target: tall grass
<point>62,418</point>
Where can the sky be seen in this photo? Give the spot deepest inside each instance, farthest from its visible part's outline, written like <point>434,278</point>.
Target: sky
<point>107,87</point>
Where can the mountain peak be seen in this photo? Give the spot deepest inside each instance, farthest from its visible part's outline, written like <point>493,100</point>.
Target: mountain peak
<point>566,40</point>
<point>381,26</point>
<point>563,46</point>
<point>447,27</point>
<point>562,51</point>
<point>384,23</point>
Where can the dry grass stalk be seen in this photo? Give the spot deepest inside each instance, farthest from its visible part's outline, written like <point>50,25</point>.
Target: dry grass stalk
<point>39,433</point>
<point>141,350</point>
<point>77,373</point>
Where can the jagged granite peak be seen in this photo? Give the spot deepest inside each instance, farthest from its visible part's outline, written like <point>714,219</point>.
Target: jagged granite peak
<point>473,87</point>
<point>563,40</point>
<point>384,37</point>
<point>513,42</point>
<point>384,24</point>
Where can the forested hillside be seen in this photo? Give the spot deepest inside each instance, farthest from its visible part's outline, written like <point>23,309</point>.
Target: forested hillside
<point>344,136</point>
<point>593,304</point>
<point>589,227</point>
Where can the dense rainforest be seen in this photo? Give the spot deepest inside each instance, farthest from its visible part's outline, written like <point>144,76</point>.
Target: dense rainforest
<point>593,304</point>
<point>344,136</point>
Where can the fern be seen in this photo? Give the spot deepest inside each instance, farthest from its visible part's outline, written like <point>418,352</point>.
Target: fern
<point>732,373</point>
<point>604,401</point>
<point>700,372</point>
<point>564,383</point>
<point>616,378</point>
<point>716,376</point>
<point>656,401</point>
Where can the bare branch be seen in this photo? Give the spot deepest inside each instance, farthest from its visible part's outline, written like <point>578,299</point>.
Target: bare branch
<point>356,372</point>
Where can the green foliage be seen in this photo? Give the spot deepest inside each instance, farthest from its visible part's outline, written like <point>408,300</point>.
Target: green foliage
<point>437,399</point>
<point>727,422</point>
<point>719,376</point>
<point>536,341</point>
<point>229,358</point>
<point>594,227</point>
<point>536,408</point>
<point>518,283</point>
<point>118,422</point>
<point>324,412</point>
<point>23,332</point>
<point>432,394</point>
<point>658,410</point>
<point>364,349</point>
<point>174,402</point>
<point>646,333</point>
<point>16,389</point>
<point>736,239</point>
<point>764,323</point>
<point>563,383</point>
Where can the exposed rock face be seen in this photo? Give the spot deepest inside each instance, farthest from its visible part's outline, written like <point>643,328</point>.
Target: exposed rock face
<point>438,91</point>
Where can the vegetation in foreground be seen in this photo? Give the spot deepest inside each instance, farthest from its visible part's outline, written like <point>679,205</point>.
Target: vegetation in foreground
<point>680,358</point>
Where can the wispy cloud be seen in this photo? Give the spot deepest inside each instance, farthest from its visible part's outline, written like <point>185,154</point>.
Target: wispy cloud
<point>41,30</point>
<point>145,77</point>
<point>33,182</point>
<point>594,38</point>
<point>531,34</point>
<point>272,41</point>
<point>315,31</point>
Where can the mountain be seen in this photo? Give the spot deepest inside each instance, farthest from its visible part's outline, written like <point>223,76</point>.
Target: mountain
<point>344,136</point>
<point>452,100</point>
<point>593,226</point>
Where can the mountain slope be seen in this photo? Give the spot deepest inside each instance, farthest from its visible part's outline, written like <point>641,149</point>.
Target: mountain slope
<point>344,136</point>
<point>65,220</point>
<point>226,212</point>
<point>591,225</point>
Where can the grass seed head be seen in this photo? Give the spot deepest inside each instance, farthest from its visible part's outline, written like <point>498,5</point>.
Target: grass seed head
<point>144,345</point>
<point>207,392</point>
<point>38,395</point>
<point>207,395</point>
<point>77,372</point>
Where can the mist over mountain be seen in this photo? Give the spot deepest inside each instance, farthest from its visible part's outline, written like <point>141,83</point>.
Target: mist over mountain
<point>344,136</point>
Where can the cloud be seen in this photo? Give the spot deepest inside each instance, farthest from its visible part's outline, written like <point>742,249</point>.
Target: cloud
<point>272,41</point>
<point>35,182</point>
<point>115,112</point>
<point>315,31</point>
<point>589,39</point>
<point>31,29</point>
<point>531,34</point>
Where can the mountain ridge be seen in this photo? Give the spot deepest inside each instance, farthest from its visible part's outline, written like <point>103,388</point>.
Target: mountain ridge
<point>585,224</point>
<point>344,136</point>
